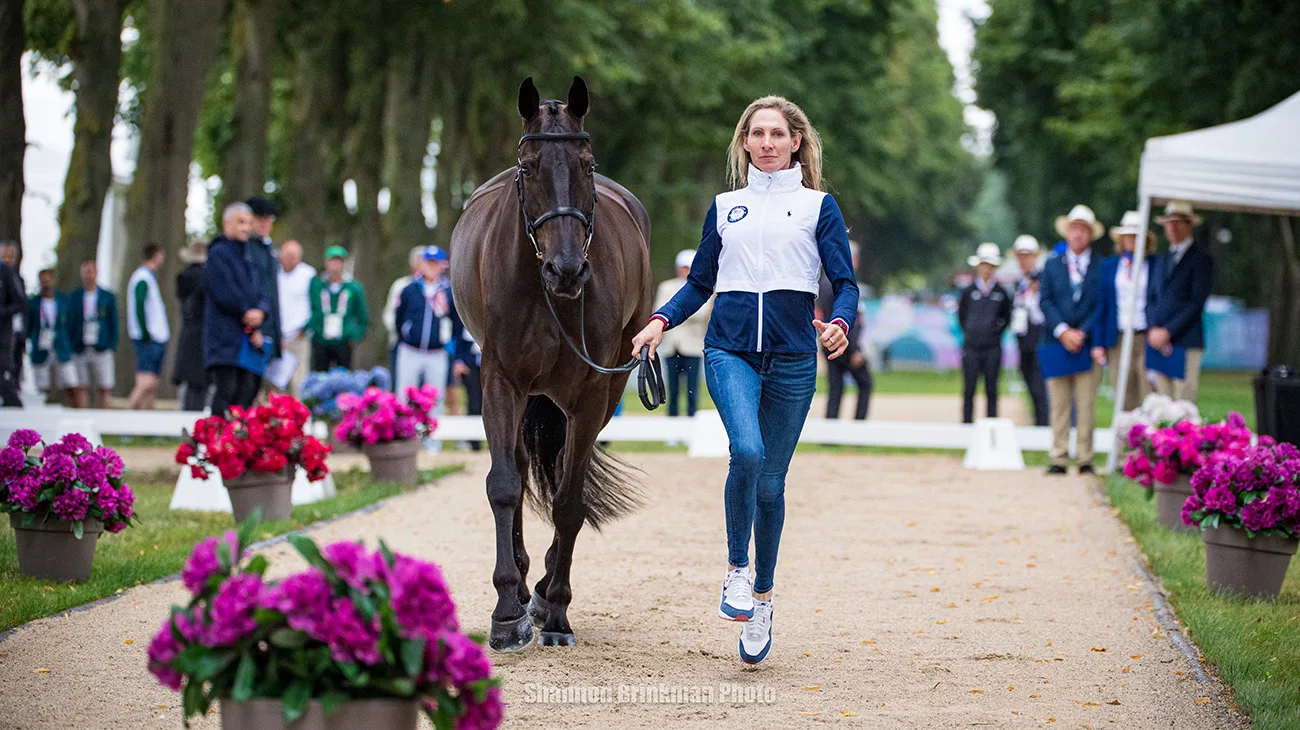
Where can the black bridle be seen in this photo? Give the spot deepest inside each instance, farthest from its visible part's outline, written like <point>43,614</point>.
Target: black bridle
<point>649,380</point>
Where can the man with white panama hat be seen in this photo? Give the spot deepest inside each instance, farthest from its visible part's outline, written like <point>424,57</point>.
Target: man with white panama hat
<point>1068,296</point>
<point>984,312</point>
<point>1027,323</point>
<point>1182,283</point>
<point>682,348</point>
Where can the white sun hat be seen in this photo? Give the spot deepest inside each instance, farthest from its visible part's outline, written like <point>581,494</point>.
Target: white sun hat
<point>1083,214</point>
<point>1025,243</point>
<point>987,253</point>
<point>685,258</point>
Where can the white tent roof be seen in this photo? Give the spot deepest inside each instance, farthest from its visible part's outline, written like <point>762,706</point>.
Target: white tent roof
<point>1251,165</point>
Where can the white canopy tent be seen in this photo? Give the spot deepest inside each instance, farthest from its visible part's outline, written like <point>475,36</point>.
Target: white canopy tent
<point>1252,165</point>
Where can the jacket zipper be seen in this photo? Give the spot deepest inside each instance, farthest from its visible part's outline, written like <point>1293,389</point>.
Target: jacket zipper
<point>762,261</point>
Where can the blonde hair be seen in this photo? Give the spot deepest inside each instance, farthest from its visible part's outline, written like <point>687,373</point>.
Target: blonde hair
<point>809,154</point>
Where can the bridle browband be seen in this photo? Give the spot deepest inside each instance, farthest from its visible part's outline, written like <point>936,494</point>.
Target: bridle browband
<point>649,380</point>
<point>562,211</point>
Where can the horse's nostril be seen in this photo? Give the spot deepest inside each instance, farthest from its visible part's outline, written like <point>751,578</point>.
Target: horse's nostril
<point>550,268</point>
<point>584,271</point>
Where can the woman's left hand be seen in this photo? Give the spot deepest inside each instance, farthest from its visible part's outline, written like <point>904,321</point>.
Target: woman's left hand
<point>832,338</point>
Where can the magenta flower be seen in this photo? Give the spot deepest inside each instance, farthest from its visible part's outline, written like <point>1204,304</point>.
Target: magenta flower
<point>106,500</point>
<point>232,610</point>
<point>1259,515</point>
<point>24,439</point>
<point>112,462</point>
<point>1165,472</point>
<point>57,468</point>
<point>457,658</point>
<point>91,470</point>
<point>482,716</point>
<point>304,600</point>
<point>1193,504</point>
<point>421,603</point>
<point>12,460</point>
<point>354,564</point>
<point>77,442</point>
<point>72,505</point>
<point>351,638</point>
<point>162,650</point>
<point>1220,499</point>
<point>24,492</point>
<point>203,562</point>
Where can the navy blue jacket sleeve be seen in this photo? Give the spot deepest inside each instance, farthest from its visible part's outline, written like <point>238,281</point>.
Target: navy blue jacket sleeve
<point>837,260</point>
<point>1105,301</point>
<point>1052,315</point>
<point>457,344</point>
<point>110,309</point>
<point>1182,316</point>
<point>230,293</point>
<point>403,313</point>
<point>704,275</point>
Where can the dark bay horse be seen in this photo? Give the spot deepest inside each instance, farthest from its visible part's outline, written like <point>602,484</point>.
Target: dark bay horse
<point>550,227</point>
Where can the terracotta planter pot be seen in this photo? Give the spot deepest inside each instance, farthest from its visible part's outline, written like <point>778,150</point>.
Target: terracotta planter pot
<point>394,461</point>
<point>1250,567</point>
<point>1169,503</point>
<point>267,714</point>
<point>50,551</point>
<point>271,491</point>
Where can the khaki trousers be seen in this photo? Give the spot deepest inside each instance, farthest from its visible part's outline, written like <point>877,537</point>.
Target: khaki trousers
<point>1184,389</point>
<point>1080,389</point>
<point>301,349</point>
<point>1138,385</point>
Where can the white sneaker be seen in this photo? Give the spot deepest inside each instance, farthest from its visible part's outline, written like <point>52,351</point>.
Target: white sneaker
<point>756,636</point>
<point>737,596</point>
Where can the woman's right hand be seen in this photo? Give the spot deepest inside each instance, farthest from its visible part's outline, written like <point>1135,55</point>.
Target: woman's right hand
<point>652,334</point>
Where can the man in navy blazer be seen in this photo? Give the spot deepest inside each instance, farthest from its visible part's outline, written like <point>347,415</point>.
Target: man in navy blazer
<point>1182,284</point>
<point>1068,297</point>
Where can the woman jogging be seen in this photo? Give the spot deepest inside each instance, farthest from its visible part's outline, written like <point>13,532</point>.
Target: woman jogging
<point>763,248</point>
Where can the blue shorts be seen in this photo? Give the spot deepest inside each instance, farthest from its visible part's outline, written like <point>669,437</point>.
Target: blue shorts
<point>149,356</point>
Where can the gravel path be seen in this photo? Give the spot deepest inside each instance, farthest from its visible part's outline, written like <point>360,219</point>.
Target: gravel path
<point>910,594</point>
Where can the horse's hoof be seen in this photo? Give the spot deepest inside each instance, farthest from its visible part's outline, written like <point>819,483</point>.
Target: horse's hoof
<point>557,638</point>
<point>539,610</point>
<point>508,637</point>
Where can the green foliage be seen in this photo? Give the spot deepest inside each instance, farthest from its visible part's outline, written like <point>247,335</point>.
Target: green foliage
<point>1078,86</point>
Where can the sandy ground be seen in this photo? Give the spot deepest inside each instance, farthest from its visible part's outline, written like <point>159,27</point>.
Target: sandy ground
<point>910,594</point>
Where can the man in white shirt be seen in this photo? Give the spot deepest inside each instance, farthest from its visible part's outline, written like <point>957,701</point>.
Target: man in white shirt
<point>294,281</point>
<point>146,323</point>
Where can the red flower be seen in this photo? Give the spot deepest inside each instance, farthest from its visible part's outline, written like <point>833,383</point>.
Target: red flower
<point>184,453</point>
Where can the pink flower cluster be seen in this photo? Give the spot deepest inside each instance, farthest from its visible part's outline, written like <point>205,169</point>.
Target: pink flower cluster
<point>366,607</point>
<point>378,416</point>
<point>1162,454</point>
<point>70,480</point>
<point>1256,488</point>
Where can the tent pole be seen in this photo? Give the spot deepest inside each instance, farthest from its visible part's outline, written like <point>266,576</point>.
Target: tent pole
<point>1126,349</point>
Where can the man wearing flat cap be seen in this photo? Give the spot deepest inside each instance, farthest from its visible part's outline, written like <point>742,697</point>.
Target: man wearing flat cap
<point>264,261</point>
<point>1182,280</point>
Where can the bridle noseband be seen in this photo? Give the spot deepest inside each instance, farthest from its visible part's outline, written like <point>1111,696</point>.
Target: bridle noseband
<point>650,381</point>
<point>562,211</point>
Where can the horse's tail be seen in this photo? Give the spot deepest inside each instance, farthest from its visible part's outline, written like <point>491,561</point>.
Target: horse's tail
<point>610,491</point>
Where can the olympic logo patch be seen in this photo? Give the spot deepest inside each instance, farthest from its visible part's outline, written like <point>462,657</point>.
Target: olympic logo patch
<point>737,213</point>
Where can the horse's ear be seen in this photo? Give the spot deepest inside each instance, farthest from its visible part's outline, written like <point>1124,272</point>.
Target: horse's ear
<point>530,101</point>
<point>577,104</point>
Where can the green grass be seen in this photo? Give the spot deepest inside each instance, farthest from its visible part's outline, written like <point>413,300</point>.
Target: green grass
<point>1254,644</point>
<point>159,545</point>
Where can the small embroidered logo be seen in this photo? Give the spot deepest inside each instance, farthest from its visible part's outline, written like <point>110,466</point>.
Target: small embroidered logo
<point>737,213</point>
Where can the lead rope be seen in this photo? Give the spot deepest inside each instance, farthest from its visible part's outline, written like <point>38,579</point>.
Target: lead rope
<point>649,379</point>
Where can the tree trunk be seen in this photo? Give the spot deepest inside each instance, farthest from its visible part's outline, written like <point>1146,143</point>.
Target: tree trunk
<point>13,129</point>
<point>408,124</point>
<point>187,36</point>
<point>252,40</point>
<point>96,55</point>
<point>365,158</point>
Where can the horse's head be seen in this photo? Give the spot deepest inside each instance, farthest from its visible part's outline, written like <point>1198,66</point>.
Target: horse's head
<point>557,185</point>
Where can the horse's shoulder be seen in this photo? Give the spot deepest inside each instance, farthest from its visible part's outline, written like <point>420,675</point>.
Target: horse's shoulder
<point>499,181</point>
<point>610,190</point>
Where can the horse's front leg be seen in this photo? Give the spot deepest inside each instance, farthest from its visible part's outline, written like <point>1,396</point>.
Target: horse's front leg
<point>568,513</point>
<point>503,408</point>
